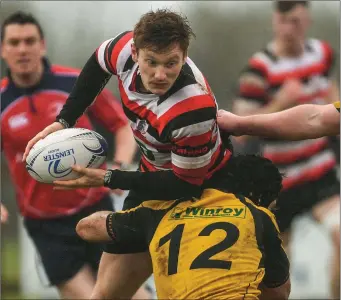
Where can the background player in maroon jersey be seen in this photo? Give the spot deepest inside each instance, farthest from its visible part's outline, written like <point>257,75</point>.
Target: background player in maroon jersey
<point>31,96</point>
<point>307,121</point>
<point>173,117</point>
<point>290,71</point>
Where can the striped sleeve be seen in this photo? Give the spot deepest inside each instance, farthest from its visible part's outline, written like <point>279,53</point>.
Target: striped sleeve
<point>252,85</point>
<point>194,138</point>
<point>108,52</point>
<point>329,59</point>
<point>337,105</point>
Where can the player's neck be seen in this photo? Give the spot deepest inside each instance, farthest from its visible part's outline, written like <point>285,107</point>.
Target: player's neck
<point>28,80</point>
<point>282,50</point>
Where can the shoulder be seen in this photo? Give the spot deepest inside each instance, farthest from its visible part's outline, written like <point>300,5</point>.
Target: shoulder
<point>262,61</point>
<point>262,213</point>
<point>321,48</point>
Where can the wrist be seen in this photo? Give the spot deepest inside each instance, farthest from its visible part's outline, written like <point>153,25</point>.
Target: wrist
<point>108,176</point>
<point>117,164</point>
<point>63,122</point>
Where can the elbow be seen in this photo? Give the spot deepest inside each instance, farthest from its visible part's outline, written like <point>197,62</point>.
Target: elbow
<point>81,228</point>
<point>93,228</point>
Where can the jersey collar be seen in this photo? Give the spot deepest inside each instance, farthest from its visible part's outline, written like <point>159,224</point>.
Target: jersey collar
<point>46,75</point>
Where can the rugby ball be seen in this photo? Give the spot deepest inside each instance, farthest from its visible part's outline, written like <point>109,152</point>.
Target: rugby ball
<point>51,158</point>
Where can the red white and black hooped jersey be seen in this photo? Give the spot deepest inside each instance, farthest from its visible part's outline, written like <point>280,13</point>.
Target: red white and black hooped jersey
<point>300,161</point>
<point>176,131</point>
<point>24,113</point>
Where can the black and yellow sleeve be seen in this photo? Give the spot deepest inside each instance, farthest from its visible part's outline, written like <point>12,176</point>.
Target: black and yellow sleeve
<point>276,261</point>
<point>128,232</point>
<point>337,105</point>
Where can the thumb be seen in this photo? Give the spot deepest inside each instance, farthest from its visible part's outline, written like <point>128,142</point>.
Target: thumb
<point>220,113</point>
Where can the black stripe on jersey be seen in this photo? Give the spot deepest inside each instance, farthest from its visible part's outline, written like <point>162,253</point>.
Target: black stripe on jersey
<point>270,54</point>
<point>308,47</point>
<point>258,226</point>
<point>219,159</point>
<point>186,77</point>
<point>253,71</point>
<point>129,64</point>
<point>151,130</point>
<point>189,118</point>
<point>109,49</point>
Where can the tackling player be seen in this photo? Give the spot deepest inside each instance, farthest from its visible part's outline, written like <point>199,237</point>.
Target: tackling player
<point>221,246</point>
<point>290,71</point>
<point>172,112</point>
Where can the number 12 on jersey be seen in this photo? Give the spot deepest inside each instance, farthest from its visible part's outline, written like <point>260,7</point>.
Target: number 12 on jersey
<point>203,260</point>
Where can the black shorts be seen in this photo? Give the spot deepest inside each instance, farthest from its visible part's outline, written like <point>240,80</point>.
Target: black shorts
<point>62,252</point>
<point>302,198</point>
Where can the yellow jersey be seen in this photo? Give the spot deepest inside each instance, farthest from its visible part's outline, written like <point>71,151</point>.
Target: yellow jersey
<point>337,105</point>
<point>220,246</point>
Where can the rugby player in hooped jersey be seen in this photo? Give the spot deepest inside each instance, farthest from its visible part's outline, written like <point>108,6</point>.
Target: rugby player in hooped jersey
<point>172,112</point>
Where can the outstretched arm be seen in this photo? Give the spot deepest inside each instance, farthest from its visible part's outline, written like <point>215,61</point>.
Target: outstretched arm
<point>302,122</point>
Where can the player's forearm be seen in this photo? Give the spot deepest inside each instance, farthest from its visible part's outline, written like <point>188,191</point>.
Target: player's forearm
<point>301,122</point>
<point>125,148</point>
<point>89,84</point>
<point>160,185</point>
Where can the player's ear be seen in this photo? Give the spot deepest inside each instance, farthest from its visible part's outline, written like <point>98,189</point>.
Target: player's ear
<point>134,52</point>
<point>185,56</point>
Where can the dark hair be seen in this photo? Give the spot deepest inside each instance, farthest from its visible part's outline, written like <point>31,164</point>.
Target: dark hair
<point>252,176</point>
<point>287,5</point>
<point>22,19</point>
<point>161,29</point>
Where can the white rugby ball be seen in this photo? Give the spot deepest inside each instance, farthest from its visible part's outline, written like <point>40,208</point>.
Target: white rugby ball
<point>51,158</point>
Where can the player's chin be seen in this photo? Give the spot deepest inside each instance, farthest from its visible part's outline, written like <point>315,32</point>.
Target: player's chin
<point>159,91</point>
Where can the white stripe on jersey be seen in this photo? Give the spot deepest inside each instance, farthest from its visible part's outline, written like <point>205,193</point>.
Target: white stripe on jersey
<point>190,163</point>
<point>197,74</point>
<point>123,57</point>
<point>150,100</point>
<point>101,55</point>
<point>181,95</point>
<point>284,65</point>
<point>195,162</point>
<point>194,129</point>
<point>290,146</point>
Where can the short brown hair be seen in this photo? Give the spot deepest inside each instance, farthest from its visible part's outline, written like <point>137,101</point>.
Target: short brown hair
<point>287,5</point>
<point>161,29</point>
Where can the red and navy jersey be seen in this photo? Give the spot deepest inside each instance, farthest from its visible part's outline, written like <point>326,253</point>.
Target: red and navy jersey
<point>24,113</point>
<point>300,161</point>
<point>176,131</point>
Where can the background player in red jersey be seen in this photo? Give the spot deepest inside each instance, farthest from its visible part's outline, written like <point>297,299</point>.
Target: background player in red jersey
<point>173,117</point>
<point>31,96</point>
<point>293,70</point>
